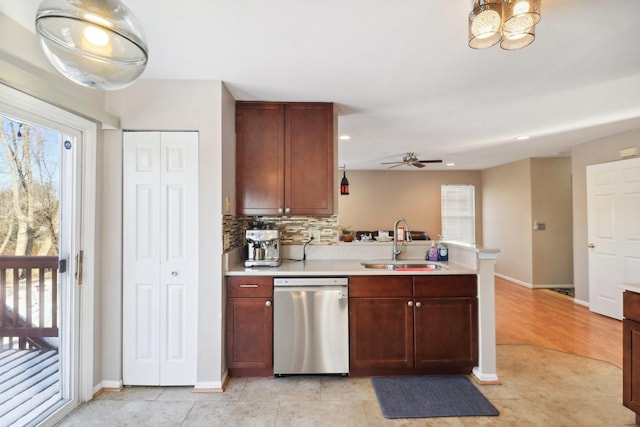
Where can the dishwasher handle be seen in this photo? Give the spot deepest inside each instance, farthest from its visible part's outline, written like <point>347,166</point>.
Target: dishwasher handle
<point>342,292</point>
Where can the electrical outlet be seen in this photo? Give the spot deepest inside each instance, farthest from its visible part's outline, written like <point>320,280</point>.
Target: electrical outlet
<point>314,233</point>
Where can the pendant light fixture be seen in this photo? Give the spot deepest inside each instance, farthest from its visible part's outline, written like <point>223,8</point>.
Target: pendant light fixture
<point>510,22</point>
<point>94,43</point>
<point>344,184</point>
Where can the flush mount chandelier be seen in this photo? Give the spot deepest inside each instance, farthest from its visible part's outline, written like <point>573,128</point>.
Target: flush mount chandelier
<point>95,43</point>
<point>510,22</point>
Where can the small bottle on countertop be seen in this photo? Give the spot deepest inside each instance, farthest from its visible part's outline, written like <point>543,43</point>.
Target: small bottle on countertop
<point>433,252</point>
<point>443,252</point>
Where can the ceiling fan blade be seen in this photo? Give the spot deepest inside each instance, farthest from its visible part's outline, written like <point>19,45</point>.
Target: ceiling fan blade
<point>430,161</point>
<point>395,166</point>
<point>417,164</point>
<point>391,163</point>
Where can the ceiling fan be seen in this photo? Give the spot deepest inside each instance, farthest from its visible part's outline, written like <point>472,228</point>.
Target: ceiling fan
<point>410,159</point>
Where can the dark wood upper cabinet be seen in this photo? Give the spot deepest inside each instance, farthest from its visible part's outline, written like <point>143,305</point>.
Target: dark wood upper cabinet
<point>284,158</point>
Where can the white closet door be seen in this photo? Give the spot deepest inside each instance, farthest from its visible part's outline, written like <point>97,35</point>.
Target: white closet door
<point>179,255</point>
<point>613,203</point>
<point>160,256</point>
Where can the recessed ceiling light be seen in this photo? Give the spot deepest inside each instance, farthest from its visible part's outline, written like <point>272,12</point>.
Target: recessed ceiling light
<point>522,137</point>
<point>344,137</point>
<point>450,164</point>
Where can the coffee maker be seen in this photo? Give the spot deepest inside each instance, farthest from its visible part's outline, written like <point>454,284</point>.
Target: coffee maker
<point>263,246</point>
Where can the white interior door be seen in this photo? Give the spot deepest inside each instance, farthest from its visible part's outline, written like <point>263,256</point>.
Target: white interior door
<point>160,226</point>
<point>613,205</point>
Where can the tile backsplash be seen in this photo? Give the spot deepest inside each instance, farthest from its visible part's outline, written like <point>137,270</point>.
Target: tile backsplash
<point>294,229</point>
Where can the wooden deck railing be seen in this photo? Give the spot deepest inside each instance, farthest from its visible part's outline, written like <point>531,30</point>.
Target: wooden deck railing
<point>28,301</point>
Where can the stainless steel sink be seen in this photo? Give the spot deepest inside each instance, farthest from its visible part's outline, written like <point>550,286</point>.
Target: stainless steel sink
<point>414,266</point>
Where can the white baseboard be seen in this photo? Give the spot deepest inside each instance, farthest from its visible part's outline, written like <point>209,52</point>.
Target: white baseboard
<point>209,386</point>
<point>532,286</point>
<point>109,384</point>
<point>483,377</point>
<point>516,281</point>
<point>580,302</point>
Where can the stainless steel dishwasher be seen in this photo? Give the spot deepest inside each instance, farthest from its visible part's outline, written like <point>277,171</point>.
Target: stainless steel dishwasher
<point>310,325</point>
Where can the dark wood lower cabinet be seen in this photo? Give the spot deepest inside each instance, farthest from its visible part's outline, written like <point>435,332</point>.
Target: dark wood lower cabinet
<point>413,325</point>
<point>249,326</point>
<point>631,353</point>
<point>381,333</point>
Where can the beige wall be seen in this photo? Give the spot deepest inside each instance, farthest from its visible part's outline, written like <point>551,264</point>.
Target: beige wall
<point>507,219</point>
<point>516,195</point>
<point>552,262</point>
<point>598,151</point>
<point>378,198</point>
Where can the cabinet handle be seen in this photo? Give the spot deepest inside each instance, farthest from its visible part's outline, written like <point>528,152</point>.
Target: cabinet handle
<point>287,210</point>
<point>249,286</point>
<point>591,246</point>
<point>279,210</point>
<point>418,304</point>
<point>268,303</point>
<point>410,303</point>
<point>174,273</point>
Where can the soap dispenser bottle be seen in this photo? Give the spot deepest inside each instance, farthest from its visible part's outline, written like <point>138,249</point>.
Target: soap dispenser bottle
<point>433,252</point>
<point>443,252</point>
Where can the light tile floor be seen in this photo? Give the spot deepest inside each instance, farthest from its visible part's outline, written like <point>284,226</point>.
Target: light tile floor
<point>540,387</point>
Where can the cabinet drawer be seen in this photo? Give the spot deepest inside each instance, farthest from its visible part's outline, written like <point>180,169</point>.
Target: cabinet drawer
<point>380,286</point>
<point>445,286</point>
<point>631,305</point>
<point>250,287</point>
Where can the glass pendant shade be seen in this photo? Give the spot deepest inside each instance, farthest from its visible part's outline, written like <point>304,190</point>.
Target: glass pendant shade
<point>95,43</point>
<point>520,15</point>
<point>513,41</point>
<point>485,21</point>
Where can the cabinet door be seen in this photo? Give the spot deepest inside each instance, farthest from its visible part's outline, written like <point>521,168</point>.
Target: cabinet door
<point>631,362</point>
<point>446,332</point>
<point>259,158</point>
<point>309,162</point>
<point>381,333</point>
<point>249,336</point>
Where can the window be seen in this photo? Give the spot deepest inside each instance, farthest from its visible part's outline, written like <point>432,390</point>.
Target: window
<point>458,213</point>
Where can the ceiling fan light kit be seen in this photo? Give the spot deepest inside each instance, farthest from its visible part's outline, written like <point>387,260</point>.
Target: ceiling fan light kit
<point>510,22</point>
<point>94,43</point>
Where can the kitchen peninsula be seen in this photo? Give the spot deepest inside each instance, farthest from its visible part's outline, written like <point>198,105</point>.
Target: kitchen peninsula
<point>465,261</point>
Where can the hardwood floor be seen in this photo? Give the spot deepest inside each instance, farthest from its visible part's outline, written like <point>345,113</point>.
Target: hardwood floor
<point>548,319</point>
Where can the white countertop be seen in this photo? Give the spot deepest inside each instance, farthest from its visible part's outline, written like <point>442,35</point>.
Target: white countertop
<point>341,268</point>
<point>633,287</point>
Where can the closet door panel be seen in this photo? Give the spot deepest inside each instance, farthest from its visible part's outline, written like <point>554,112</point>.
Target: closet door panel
<point>179,253</point>
<point>141,258</point>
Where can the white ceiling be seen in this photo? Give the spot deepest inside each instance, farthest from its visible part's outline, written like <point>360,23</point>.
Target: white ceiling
<point>401,73</point>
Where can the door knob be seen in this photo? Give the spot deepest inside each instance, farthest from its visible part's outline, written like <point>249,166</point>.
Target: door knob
<point>418,304</point>
<point>174,273</point>
<point>410,303</point>
<point>591,246</point>
<point>268,303</point>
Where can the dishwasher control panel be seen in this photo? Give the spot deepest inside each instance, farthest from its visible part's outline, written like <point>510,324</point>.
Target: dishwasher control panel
<point>311,281</point>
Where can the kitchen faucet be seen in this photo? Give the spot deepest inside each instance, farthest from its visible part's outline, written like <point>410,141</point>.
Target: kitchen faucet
<point>406,238</point>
